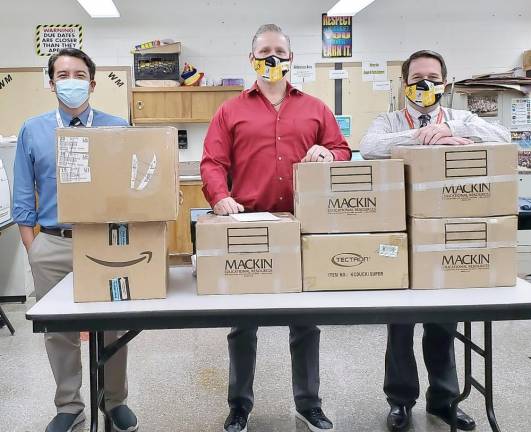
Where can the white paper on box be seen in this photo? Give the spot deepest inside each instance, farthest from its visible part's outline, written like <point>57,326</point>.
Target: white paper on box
<point>73,144</point>
<point>67,159</point>
<point>255,217</point>
<point>74,175</point>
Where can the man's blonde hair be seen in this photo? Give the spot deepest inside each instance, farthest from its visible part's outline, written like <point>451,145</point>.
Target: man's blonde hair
<point>266,28</point>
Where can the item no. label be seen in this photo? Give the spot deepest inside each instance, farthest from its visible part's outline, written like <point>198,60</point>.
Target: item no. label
<point>388,251</point>
<point>352,205</point>
<point>73,159</point>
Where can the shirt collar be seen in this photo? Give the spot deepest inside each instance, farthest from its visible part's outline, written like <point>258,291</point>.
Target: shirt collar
<point>289,89</point>
<point>67,118</point>
<point>416,114</point>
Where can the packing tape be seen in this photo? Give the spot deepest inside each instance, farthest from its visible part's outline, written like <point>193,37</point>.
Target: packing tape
<point>461,246</point>
<point>223,285</point>
<point>438,278</point>
<point>272,250</point>
<point>384,187</point>
<point>419,187</point>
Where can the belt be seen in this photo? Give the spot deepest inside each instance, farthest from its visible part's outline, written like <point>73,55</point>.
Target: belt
<point>58,232</point>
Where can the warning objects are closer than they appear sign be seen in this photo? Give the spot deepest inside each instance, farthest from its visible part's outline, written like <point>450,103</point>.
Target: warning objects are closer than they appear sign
<point>51,38</point>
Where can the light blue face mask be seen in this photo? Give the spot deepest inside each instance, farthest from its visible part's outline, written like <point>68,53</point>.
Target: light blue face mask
<point>72,92</point>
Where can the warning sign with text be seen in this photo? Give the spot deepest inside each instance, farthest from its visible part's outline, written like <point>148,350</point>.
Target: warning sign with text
<point>51,38</point>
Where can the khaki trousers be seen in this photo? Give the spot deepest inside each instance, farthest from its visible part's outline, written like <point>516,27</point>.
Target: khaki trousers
<point>50,258</point>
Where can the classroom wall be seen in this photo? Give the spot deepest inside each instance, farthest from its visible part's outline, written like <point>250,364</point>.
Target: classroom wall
<point>475,36</point>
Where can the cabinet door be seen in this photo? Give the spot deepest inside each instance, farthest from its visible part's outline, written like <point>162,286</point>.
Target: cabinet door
<point>205,104</point>
<point>180,241</point>
<point>158,107</point>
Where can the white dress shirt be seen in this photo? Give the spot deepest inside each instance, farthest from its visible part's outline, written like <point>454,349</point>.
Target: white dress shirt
<point>392,129</point>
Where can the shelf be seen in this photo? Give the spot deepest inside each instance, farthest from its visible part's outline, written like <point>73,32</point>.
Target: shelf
<point>169,120</point>
<point>187,89</point>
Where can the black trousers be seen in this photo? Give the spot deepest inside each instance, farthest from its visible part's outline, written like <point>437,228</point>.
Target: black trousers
<point>401,376</point>
<point>304,347</point>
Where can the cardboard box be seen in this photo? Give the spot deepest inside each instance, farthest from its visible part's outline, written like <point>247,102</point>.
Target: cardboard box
<point>116,262</point>
<point>354,261</point>
<point>117,174</point>
<point>355,196</point>
<point>460,181</point>
<point>463,252</point>
<point>527,60</point>
<point>248,257</point>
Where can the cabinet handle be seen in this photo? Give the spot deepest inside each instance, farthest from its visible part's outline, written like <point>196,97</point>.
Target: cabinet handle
<point>140,105</point>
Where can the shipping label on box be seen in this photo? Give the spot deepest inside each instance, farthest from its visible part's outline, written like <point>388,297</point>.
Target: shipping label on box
<point>354,196</point>
<point>117,174</point>
<point>463,252</point>
<point>460,181</point>
<point>248,257</point>
<point>118,262</point>
<point>354,261</point>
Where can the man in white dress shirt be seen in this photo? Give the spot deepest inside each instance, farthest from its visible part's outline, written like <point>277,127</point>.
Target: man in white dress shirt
<point>424,122</point>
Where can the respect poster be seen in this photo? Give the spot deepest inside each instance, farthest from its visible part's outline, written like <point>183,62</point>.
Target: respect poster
<point>337,36</point>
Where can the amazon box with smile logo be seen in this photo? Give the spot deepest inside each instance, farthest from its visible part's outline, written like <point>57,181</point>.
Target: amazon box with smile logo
<point>343,262</point>
<point>119,262</point>
<point>117,174</point>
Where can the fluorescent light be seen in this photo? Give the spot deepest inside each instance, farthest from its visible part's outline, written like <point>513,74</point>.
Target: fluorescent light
<point>100,8</point>
<point>348,7</point>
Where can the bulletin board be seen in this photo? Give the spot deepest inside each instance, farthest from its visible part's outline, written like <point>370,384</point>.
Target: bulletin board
<point>24,94</point>
<point>358,98</point>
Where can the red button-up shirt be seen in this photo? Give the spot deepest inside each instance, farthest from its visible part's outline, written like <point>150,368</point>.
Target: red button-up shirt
<point>257,146</point>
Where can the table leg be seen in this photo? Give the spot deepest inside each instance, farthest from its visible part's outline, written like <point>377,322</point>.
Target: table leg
<point>101,381</point>
<point>4,318</point>
<point>468,375</point>
<point>470,381</point>
<point>489,399</point>
<point>94,392</point>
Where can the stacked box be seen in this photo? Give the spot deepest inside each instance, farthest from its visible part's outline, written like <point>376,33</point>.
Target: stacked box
<point>352,214</point>
<point>461,202</point>
<point>236,257</point>
<point>118,186</point>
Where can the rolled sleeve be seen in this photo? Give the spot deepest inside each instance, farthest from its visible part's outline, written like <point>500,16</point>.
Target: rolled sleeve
<point>24,208</point>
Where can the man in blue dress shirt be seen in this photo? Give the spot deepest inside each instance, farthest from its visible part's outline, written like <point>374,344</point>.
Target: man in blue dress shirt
<point>71,74</point>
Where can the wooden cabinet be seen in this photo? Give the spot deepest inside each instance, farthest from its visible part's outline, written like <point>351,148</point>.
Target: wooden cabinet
<point>178,104</point>
<point>179,239</point>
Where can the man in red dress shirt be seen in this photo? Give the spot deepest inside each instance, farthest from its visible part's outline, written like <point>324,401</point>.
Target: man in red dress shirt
<point>254,139</point>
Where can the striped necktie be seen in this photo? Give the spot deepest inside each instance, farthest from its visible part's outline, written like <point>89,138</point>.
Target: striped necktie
<point>75,122</point>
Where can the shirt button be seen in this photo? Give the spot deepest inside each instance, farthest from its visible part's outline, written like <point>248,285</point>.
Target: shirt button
<point>279,138</point>
<point>280,158</point>
<point>281,198</point>
<point>278,118</point>
<point>280,178</point>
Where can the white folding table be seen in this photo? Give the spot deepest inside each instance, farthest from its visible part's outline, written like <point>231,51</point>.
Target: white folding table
<point>183,308</point>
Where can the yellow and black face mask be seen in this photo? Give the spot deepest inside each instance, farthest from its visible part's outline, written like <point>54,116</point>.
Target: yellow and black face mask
<point>425,93</point>
<point>271,68</point>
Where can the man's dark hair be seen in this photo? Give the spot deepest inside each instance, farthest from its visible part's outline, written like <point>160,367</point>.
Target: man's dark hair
<point>72,52</point>
<point>421,54</point>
